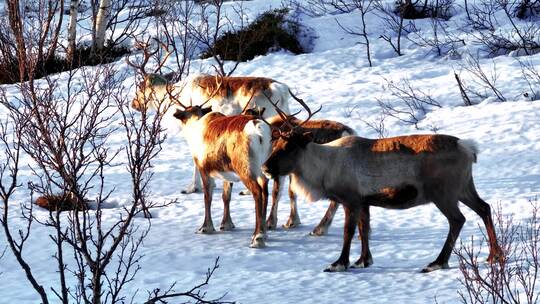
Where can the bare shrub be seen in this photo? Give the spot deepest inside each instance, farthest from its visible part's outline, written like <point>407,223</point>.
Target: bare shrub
<point>271,31</point>
<point>485,82</point>
<point>412,103</point>
<point>395,26</point>
<point>378,125</point>
<point>532,76</point>
<point>364,7</point>
<point>213,23</point>
<point>527,9</point>
<point>513,279</point>
<point>439,39</point>
<point>521,40</point>
<point>63,124</point>
<point>466,100</point>
<point>174,32</point>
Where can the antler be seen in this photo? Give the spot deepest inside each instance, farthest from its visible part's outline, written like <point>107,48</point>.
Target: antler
<point>301,101</point>
<point>216,90</point>
<point>147,54</point>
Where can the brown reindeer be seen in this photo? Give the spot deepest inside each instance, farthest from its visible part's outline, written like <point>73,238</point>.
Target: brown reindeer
<point>231,148</point>
<point>352,169</point>
<point>225,94</point>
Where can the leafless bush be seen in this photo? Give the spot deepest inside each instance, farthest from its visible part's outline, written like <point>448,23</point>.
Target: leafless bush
<point>412,103</point>
<point>364,7</point>
<point>37,23</point>
<point>174,31</point>
<point>378,125</point>
<point>484,83</point>
<point>481,15</point>
<point>521,40</point>
<point>394,24</point>
<point>527,9</point>
<point>464,96</point>
<point>532,76</point>
<point>511,280</point>
<point>119,20</point>
<point>63,124</point>
<point>213,23</point>
<point>439,39</point>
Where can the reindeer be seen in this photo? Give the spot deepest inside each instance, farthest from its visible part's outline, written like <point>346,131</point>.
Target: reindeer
<point>231,148</point>
<point>323,131</point>
<point>226,94</point>
<point>354,170</point>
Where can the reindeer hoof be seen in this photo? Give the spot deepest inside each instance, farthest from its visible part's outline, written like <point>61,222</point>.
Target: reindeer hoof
<point>226,226</point>
<point>336,268</point>
<point>318,231</point>
<point>206,230</point>
<point>434,266</point>
<point>191,189</point>
<point>244,192</point>
<point>258,241</point>
<point>271,224</point>
<point>362,264</point>
<point>292,224</point>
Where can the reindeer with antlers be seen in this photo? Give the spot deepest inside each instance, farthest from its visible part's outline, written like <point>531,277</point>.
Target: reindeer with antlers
<point>397,173</point>
<point>323,131</point>
<point>231,148</point>
<point>225,94</point>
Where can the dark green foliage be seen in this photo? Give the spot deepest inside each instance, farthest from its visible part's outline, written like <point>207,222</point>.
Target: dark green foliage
<point>269,32</point>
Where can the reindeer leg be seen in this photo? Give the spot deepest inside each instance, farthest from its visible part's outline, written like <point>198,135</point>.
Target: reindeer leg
<point>271,222</point>
<point>326,221</point>
<point>257,241</point>
<point>450,209</point>
<point>350,225</point>
<point>195,186</point>
<point>365,259</point>
<point>226,222</point>
<point>471,198</point>
<point>294,219</point>
<point>208,226</point>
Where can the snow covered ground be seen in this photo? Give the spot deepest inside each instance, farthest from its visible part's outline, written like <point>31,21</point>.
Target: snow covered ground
<point>335,75</point>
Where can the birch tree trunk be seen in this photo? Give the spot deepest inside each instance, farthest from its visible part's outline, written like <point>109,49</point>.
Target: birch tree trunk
<point>72,28</point>
<point>101,24</point>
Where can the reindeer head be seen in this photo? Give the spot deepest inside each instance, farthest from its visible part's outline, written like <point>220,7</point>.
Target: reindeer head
<point>288,141</point>
<point>257,112</point>
<point>192,113</point>
<point>285,153</point>
<point>144,97</point>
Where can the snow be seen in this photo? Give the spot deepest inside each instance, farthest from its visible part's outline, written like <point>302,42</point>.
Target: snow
<point>337,76</point>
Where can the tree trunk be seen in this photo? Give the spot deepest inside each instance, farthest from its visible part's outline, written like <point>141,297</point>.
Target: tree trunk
<point>101,21</point>
<point>72,29</point>
<point>17,28</point>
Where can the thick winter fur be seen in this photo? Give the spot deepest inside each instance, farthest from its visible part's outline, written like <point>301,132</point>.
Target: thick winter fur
<point>323,131</point>
<point>352,169</point>
<point>231,148</point>
<point>227,95</point>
